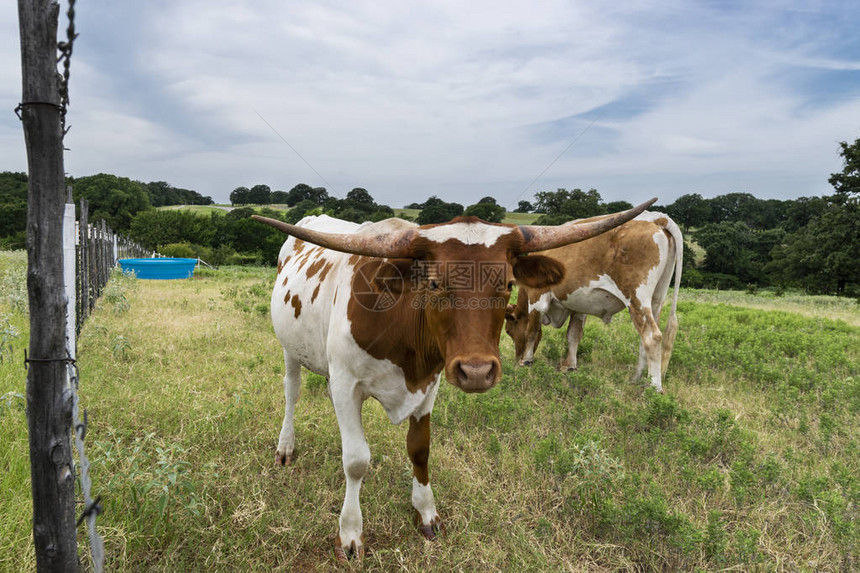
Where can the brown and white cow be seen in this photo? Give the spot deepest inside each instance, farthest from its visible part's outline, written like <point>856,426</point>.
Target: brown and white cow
<point>630,267</point>
<point>384,309</point>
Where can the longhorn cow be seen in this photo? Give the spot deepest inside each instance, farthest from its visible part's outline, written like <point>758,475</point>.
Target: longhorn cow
<point>630,267</point>
<point>383,309</point>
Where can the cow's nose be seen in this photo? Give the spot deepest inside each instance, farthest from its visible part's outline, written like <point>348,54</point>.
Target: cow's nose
<point>476,375</point>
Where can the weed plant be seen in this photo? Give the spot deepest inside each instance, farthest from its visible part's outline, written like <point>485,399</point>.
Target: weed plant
<point>749,462</point>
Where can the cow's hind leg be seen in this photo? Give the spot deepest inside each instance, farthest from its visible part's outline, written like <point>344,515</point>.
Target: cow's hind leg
<point>650,345</point>
<point>292,385</point>
<point>356,460</point>
<point>418,446</point>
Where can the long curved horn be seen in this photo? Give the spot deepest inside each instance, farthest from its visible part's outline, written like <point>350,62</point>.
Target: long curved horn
<point>388,245</point>
<point>539,238</point>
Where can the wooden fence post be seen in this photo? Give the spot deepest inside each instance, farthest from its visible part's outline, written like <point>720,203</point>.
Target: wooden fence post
<point>84,228</point>
<point>48,402</point>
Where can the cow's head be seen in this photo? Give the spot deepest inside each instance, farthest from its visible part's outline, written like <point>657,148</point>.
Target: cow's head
<point>524,328</point>
<point>464,317</point>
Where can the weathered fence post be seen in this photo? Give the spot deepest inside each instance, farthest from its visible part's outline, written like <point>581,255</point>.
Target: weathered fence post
<point>48,402</point>
<point>84,229</point>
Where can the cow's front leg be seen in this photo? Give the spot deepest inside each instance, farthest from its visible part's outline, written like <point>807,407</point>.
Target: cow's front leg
<point>574,336</point>
<point>418,446</point>
<point>356,459</point>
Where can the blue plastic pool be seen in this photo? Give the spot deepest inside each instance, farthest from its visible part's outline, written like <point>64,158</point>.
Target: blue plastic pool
<point>164,268</point>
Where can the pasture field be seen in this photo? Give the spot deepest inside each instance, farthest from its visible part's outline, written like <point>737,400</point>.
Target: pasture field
<point>749,462</point>
<point>209,209</point>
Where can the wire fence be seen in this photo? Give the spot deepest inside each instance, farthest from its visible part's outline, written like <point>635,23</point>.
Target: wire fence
<point>98,250</point>
<point>91,252</point>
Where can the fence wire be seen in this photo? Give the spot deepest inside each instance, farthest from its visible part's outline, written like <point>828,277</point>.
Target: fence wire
<point>91,507</point>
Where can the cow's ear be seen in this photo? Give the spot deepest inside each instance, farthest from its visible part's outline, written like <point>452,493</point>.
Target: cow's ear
<point>390,276</point>
<point>538,271</point>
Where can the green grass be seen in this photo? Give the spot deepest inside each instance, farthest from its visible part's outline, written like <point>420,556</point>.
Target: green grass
<point>208,209</point>
<point>749,462</point>
<point>520,218</point>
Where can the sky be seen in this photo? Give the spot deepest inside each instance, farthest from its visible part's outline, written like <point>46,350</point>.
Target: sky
<point>636,99</point>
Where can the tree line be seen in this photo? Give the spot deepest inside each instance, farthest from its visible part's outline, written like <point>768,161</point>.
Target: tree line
<point>112,198</point>
<point>811,243</point>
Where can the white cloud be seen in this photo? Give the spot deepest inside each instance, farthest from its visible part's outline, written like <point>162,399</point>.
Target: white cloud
<point>443,98</point>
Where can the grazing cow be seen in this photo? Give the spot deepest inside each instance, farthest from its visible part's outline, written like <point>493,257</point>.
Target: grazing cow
<point>630,266</point>
<point>381,310</point>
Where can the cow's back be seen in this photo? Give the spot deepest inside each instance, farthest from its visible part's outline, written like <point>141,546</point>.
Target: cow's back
<point>607,272</point>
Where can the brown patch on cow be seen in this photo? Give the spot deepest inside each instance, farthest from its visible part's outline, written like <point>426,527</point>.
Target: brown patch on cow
<point>297,305</point>
<point>316,292</point>
<point>353,259</point>
<point>280,265</point>
<point>287,297</point>
<point>315,267</point>
<point>286,278</point>
<point>326,268</point>
<point>625,253</point>
<point>662,221</point>
<point>418,447</point>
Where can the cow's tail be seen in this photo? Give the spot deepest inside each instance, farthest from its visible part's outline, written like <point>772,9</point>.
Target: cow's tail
<point>672,324</point>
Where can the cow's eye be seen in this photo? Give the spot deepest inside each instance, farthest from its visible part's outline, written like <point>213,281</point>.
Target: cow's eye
<point>432,285</point>
<point>510,285</point>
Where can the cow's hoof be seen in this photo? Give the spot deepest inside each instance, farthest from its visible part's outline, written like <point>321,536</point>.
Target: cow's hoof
<point>347,554</point>
<point>432,530</point>
<point>527,362</point>
<point>568,368</point>
<point>283,459</point>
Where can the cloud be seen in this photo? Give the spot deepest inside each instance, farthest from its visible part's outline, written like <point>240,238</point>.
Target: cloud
<point>461,101</point>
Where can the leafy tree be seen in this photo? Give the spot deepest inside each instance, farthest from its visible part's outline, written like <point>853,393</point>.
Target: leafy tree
<point>360,196</point>
<point>155,228</point>
<point>114,199</point>
<point>296,214</point>
<point>524,207</point>
<point>298,194</point>
<point>733,248</point>
<point>690,210</point>
<point>574,204</point>
<point>279,197</point>
<point>846,183</point>
<point>490,212</point>
<point>824,255</point>
<point>13,208</point>
<point>617,206</point>
<point>550,201</point>
<point>803,210</point>
<point>240,196</point>
<point>435,210</point>
<point>162,193</point>
<point>259,195</point>
<point>489,200</point>
<point>581,204</point>
<point>319,195</point>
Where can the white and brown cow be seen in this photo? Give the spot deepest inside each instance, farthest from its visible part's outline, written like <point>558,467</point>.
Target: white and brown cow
<point>630,267</point>
<point>384,309</point>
